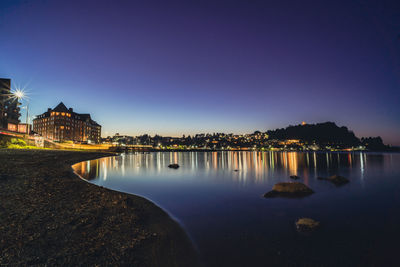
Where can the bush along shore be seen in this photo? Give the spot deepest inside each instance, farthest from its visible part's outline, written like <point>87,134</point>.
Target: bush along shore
<point>48,216</point>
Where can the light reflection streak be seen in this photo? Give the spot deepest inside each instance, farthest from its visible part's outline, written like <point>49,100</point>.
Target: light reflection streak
<point>104,170</point>
<point>292,163</point>
<point>362,165</point>
<point>315,163</point>
<point>327,159</point>
<point>123,164</point>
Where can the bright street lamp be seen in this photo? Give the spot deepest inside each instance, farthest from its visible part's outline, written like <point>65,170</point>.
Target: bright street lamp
<point>19,94</point>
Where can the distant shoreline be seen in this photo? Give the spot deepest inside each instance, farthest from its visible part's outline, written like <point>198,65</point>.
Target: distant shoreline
<point>258,150</point>
<point>50,216</point>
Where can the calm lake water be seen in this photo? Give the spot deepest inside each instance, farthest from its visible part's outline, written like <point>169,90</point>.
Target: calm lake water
<point>230,222</point>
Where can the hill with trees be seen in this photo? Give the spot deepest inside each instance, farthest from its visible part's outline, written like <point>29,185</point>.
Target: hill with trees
<point>325,134</point>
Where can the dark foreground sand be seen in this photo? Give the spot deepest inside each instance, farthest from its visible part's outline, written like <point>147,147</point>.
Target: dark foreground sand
<point>48,216</point>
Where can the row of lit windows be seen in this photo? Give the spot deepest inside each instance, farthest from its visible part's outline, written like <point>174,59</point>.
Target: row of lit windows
<point>44,126</point>
<point>41,119</point>
<point>57,122</point>
<point>54,113</point>
<point>69,128</point>
<point>60,113</point>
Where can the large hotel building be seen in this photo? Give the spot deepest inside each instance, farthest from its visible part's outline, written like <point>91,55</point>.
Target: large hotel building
<point>62,124</point>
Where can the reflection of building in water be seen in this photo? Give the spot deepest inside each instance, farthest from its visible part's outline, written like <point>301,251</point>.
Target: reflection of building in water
<point>88,170</point>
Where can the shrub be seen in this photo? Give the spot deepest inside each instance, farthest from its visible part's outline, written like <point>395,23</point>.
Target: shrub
<point>18,142</point>
<point>13,146</point>
<point>3,144</point>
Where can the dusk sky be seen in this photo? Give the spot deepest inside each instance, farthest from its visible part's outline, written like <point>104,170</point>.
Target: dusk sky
<point>184,67</point>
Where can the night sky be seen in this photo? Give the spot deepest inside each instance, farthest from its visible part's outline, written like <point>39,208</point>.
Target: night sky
<point>184,67</point>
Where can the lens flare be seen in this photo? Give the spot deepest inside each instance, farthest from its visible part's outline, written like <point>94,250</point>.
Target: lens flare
<point>19,94</point>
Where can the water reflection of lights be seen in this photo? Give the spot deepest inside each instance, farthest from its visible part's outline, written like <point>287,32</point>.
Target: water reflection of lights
<point>293,160</point>
<point>158,157</point>
<point>271,160</point>
<point>362,165</point>
<point>350,160</point>
<point>215,159</point>
<point>123,164</point>
<point>104,169</point>
<point>315,163</point>
<point>252,166</point>
<point>327,160</point>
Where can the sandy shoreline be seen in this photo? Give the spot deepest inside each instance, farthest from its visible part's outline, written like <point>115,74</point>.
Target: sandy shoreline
<point>48,216</point>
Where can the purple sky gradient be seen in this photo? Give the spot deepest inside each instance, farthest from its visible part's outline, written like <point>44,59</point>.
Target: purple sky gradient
<point>184,67</point>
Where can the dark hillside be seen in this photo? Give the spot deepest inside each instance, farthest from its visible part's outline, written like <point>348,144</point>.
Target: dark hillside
<point>321,133</point>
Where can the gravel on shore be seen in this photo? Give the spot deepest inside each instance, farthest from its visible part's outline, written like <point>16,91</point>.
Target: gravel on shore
<point>48,216</point>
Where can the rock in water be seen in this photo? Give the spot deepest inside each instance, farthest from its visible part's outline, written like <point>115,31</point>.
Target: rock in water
<point>306,224</point>
<point>289,189</point>
<point>173,166</point>
<point>336,179</point>
<point>294,177</point>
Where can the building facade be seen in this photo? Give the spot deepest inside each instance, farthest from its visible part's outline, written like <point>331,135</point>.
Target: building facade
<point>63,124</point>
<point>9,106</point>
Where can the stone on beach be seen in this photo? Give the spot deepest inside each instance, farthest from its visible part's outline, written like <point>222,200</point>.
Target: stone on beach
<point>289,189</point>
